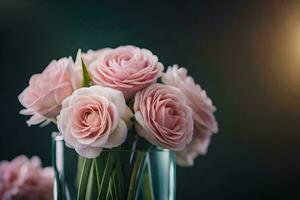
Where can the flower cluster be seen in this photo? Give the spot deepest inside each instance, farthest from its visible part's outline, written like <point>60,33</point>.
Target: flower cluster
<point>23,178</point>
<point>99,96</point>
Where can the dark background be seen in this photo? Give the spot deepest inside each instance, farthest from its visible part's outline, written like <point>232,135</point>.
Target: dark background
<point>246,55</point>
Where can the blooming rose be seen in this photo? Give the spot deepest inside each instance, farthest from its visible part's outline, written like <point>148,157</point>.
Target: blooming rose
<point>46,91</point>
<point>162,117</point>
<point>203,109</point>
<point>76,69</point>
<point>25,179</point>
<point>94,118</point>
<point>126,68</point>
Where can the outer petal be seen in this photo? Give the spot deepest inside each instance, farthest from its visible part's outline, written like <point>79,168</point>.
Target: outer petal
<point>118,99</point>
<point>46,91</point>
<point>36,119</point>
<point>92,55</point>
<point>89,152</point>
<point>117,137</point>
<point>142,129</point>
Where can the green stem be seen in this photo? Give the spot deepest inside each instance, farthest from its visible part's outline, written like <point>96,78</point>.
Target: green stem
<point>92,190</point>
<point>106,175</point>
<point>148,190</point>
<point>118,178</point>
<point>135,179</point>
<point>109,193</point>
<point>84,176</point>
<point>79,168</point>
<point>113,187</point>
<point>97,175</point>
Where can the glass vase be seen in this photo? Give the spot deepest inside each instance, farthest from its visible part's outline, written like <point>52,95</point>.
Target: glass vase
<point>117,174</point>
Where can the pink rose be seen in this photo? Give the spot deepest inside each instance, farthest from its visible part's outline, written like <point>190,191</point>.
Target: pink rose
<point>46,91</point>
<point>126,68</point>
<point>94,118</point>
<point>162,117</point>
<point>76,69</point>
<point>25,179</point>
<point>203,112</point>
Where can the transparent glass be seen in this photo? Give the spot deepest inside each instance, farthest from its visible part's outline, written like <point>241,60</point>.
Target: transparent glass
<point>115,174</point>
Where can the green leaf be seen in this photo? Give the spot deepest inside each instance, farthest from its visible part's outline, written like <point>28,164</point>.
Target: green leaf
<point>79,168</point>
<point>110,193</point>
<point>106,176</point>
<point>98,175</point>
<point>114,186</point>
<point>118,178</point>
<point>84,176</point>
<point>91,190</point>
<point>86,75</point>
<point>136,176</point>
<point>148,190</point>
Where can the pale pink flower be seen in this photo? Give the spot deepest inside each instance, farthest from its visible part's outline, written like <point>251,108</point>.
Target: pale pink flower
<point>163,117</point>
<point>92,55</point>
<point>203,112</point>
<point>46,91</point>
<point>23,178</point>
<point>126,68</point>
<point>94,118</point>
<point>76,69</point>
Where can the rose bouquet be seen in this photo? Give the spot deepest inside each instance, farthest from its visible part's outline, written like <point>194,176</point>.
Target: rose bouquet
<point>110,100</point>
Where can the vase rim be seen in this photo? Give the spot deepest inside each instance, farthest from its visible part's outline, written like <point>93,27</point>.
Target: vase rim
<point>56,136</point>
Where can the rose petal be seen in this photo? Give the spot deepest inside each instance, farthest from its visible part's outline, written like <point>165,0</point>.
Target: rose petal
<point>117,137</point>
<point>89,152</point>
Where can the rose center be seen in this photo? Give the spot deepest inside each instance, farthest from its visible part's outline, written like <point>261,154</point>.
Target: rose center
<point>92,117</point>
<point>173,117</point>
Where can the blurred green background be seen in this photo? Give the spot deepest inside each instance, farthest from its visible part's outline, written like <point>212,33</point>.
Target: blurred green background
<point>246,55</point>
